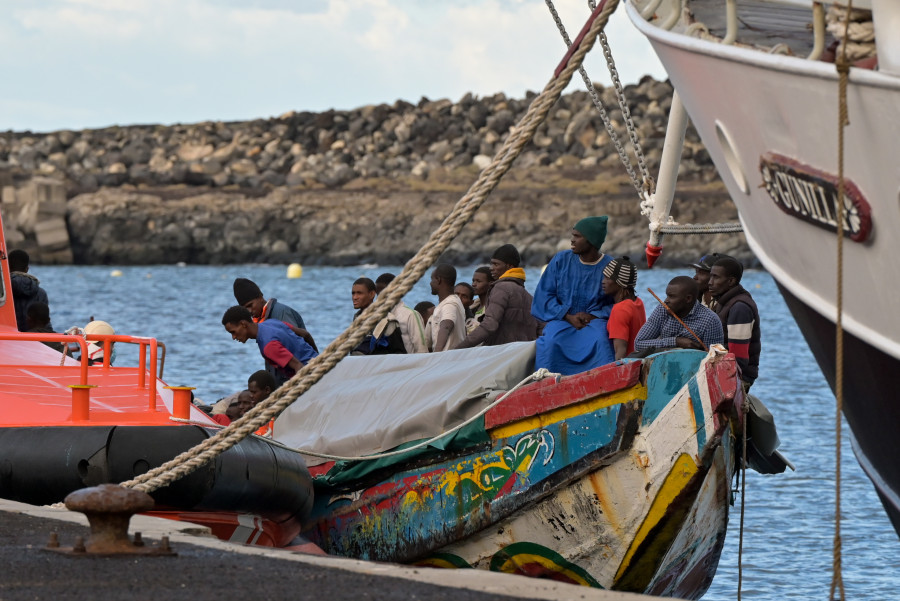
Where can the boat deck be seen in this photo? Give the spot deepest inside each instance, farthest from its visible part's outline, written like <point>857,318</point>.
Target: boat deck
<point>762,23</point>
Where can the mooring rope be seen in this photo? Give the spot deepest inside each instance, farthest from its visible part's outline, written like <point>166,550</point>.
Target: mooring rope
<point>462,213</point>
<point>843,69</point>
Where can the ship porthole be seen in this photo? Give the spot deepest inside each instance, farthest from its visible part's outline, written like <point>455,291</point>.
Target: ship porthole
<point>732,159</point>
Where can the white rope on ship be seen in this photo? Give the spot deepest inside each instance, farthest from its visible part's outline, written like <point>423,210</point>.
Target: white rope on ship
<point>854,30</point>
<point>676,229</point>
<point>462,213</point>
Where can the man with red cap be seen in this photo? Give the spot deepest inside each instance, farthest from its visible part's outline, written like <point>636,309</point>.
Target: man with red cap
<point>569,298</point>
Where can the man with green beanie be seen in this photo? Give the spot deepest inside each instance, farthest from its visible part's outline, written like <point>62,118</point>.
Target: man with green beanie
<point>569,298</point>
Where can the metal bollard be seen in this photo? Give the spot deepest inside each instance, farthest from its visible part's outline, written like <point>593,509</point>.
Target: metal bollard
<point>81,402</point>
<point>182,401</point>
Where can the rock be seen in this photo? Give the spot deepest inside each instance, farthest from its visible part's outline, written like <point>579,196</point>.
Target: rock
<point>374,151</point>
<point>481,161</point>
<point>193,152</point>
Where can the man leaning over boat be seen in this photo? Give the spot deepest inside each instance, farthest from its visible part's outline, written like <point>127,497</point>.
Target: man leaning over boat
<point>283,350</point>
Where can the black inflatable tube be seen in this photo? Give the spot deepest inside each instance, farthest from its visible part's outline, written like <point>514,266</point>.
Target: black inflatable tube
<point>41,465</point>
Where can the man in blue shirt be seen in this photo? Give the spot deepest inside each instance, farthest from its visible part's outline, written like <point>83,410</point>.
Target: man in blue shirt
<point>249,296</point>
<point>662,331</point>
<point>284,352</point>
<point>569,299</point>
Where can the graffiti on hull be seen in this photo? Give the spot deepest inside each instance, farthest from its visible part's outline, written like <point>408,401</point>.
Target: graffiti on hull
<point>486,478</point>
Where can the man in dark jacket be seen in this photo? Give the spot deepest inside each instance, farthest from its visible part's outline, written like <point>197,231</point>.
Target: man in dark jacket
<point>507,315</point>
<point>739,315</point>
<point>249,296</point>
<point>26,288</point>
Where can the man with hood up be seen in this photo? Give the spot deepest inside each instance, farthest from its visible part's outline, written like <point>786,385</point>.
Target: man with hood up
<point>26,288</point>
<point>569,298</point>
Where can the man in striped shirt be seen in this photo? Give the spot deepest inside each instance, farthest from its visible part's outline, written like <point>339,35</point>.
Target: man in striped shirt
<point>739,316</point>
<point>662,331</point>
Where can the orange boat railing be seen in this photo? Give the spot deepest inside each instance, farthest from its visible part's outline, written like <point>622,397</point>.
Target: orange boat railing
<point>81,390</point>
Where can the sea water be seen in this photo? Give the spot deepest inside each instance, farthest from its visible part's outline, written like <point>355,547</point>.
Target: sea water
<point>789,518</point>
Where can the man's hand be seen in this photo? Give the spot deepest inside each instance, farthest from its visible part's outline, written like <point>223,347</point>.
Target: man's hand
<point>579,320</point>
<point>684,342</point>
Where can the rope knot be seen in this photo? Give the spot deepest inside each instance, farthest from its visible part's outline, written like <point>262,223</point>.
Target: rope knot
<point>842,65</point>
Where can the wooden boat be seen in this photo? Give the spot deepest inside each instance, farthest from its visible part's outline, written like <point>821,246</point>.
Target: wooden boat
<point>616,478</point>
<point>759,82</point>
<point>66,426</point>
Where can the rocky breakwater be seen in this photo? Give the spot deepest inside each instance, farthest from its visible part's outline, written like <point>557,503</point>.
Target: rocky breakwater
<point>364,185</point>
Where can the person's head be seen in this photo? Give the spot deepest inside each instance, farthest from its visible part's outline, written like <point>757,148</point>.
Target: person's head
<point>481,279</point>
<point>18,260</point>
<point>234,410</point>
<point>466,293</point>
<point>245,402</point>
<point>260,384</point>
<point>362,293</point>
<point>97,348</point>
<point>619,275</point>
<point>504,258</point>
<point>239,323</point>
<point>37,315</point>
<point>726,273</point>
<point>425,309</point>
<point>443,279</point>
<point>681,294</point>
<point>589,234</point>
<point>701,271</point>
<point>248,295</point>
<point>99,327</point>
<point>382,281</point>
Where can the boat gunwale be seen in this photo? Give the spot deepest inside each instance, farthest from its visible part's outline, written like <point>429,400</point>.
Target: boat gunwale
<point>796,65</point>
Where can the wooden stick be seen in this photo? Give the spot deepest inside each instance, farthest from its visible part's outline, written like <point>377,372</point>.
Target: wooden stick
<point>672,313</point>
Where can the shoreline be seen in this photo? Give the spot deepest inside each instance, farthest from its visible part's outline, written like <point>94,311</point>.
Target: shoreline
<point>344,187</point>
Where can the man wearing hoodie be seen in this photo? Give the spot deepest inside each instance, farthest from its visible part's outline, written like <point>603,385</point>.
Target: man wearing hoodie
<point>26,288</point>
<point>507,313</point>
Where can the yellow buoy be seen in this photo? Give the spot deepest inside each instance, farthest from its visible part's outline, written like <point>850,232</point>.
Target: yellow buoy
<point>294,271</point>
<point>115,273</point>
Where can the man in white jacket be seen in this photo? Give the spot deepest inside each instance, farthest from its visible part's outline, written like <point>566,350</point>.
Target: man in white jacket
<point>412,328</point>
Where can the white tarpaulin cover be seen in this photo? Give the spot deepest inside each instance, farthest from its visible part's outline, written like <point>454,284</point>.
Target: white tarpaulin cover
<point>366,405</point>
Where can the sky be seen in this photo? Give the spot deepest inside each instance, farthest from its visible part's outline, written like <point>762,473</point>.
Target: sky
<point>74,64</point>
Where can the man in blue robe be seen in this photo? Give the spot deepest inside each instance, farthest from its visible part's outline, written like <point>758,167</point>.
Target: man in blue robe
<point>569,298</point>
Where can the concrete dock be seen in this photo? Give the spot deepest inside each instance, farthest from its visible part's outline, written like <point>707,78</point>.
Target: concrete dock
<point>207,568</point>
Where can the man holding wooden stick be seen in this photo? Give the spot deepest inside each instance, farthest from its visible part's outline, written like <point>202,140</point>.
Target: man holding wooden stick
<point>681,322</point>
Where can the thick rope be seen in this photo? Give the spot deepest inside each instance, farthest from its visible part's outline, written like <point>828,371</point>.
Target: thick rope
<point>843,69</point>
<point>598,104</point>
<point>462,213</point>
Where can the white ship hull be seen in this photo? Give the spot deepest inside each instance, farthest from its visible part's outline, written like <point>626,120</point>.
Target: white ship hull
<point>754,110</point>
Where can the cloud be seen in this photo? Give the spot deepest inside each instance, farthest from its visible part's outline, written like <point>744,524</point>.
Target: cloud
<point>90,63</point>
